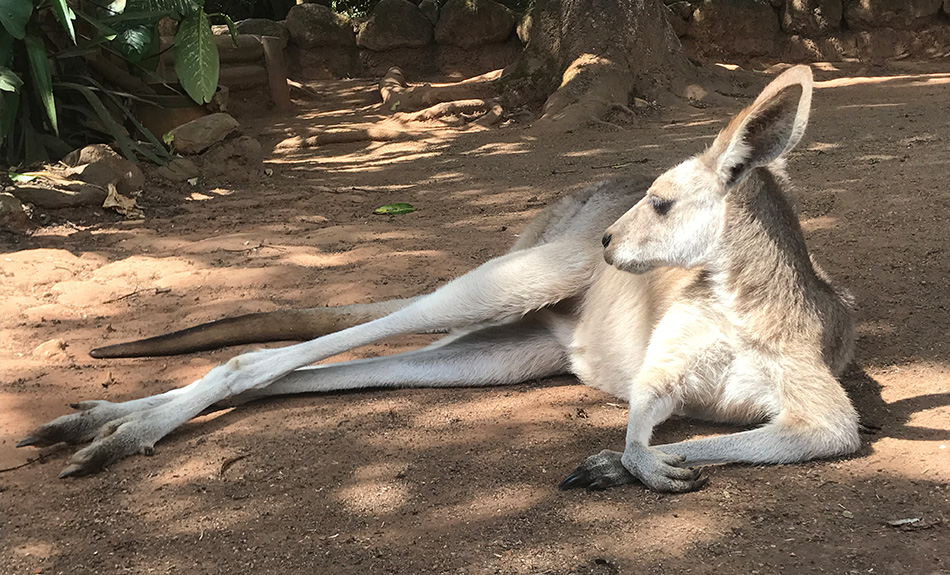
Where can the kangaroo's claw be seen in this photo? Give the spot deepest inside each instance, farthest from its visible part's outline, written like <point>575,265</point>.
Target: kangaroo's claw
<point>117,440</point>
<point>599,472</point>
<point>75,427</point>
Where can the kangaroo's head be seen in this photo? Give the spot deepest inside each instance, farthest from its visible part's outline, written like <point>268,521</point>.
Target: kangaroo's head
<point>679,221</point>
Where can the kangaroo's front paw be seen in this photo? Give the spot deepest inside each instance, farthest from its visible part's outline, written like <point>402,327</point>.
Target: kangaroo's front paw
<point>598,472</point>
<point>116,440</point>
<point>76,427</point>
<point>661,471</point>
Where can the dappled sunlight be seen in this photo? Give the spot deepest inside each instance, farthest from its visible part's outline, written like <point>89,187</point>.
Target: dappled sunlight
<point>498,148</point>
<point>820,223</point>
<point>866,105</point>
<point>463,480</point>
<point>700,123</point>
<point>900,79</point>
<point>374,489</point>
<point>342,163</point>
<point>820,146</point>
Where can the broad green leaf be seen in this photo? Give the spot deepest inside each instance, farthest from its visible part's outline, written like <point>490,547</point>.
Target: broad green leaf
<point>196,57</point>
<point>14,14</point>
<point>9,82</point>
<point>394,209</point>
<point>65,16</point>
<point>134,43</point>
<point>42,79</point>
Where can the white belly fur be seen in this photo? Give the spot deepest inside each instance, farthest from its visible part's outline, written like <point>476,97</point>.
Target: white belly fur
<point>626,322</point>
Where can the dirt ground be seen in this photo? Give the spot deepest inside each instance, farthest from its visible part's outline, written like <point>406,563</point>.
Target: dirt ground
<point>465,481</point>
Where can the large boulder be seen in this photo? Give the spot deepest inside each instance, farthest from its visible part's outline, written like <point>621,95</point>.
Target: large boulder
<point>900,14</point>
<point>198,135</point>
<point>473,23</point>
<point>263,27</point>
<point>313,25</point>
<point>394,24</point>
<point>812,17</point>
<point>751,27</point>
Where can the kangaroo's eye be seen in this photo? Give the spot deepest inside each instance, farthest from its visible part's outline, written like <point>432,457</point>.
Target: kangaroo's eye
<point>660,206</point>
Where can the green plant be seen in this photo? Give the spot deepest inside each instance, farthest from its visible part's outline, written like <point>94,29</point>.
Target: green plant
<point>91,62</point>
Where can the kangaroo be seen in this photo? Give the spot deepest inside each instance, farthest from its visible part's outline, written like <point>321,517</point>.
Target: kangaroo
<point>699,299</point>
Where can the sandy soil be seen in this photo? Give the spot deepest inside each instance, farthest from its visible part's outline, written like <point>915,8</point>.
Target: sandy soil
<point>464,481</point>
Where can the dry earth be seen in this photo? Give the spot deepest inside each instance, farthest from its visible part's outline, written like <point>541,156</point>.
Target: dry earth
<point>464,481</point>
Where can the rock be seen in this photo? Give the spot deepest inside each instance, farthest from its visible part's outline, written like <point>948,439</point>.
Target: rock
<point>812,17</point>
<point>52,349</point>
<point>234,159</point>
<point>751,25</point>
<point>179,170</point>
<point>694,92</point>
<point>124,174</point>
<point>312,25</point>
<point>198,135</point>
<point>394,24</point>
<point>100,165</point>
<point>13,216</point>
<point>473,23</point>
<point>263,27</point>
<point>430,9</point>
<point>90,154</point>
<point>900,14</point>
<point>56,198</point>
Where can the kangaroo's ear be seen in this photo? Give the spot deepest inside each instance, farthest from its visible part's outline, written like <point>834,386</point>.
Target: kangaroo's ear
<point>764,131</point>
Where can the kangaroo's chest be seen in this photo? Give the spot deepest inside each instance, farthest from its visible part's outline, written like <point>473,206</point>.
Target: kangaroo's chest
<point>633,333</point>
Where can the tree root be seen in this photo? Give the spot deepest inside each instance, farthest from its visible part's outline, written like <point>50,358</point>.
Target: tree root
<point>421,103</point>
<point>372,134</point>
<point>446,109</point>
<point>591,87</point>
<point>399,96</point>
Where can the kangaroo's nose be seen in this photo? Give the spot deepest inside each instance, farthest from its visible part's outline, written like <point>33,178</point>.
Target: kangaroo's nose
<point>606,240</point>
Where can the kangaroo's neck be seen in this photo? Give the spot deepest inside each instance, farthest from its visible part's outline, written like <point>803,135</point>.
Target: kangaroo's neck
<point>762,273</point>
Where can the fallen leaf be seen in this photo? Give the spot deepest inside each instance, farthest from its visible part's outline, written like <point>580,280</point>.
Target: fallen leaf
<point>394,209</point>
<point>125,206</point>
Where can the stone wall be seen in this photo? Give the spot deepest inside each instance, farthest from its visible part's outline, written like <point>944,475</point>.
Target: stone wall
<point>812,30</point>
<point>460,37</point>
<point>465,37</point>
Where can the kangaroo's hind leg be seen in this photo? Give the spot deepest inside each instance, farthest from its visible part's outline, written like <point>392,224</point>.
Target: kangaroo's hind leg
<point>505,354</point>
<point>507,287</point>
